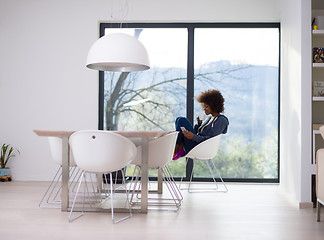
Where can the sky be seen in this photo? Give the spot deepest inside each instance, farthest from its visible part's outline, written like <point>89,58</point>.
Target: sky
<point>168,47</point>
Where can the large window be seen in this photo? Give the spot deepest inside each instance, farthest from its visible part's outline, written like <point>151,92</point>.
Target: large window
<point>240,60</point>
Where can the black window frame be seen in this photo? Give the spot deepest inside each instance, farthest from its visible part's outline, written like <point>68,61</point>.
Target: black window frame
<point>190,80</point>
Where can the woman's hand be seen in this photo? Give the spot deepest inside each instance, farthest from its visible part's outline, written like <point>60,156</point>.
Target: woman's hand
<point>199,121</point>
<point>188,134</point>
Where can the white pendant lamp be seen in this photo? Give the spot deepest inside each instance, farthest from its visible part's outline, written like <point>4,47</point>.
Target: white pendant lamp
<point>118,52</point>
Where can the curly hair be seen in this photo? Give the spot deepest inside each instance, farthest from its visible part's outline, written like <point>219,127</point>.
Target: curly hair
<point>213,98</point>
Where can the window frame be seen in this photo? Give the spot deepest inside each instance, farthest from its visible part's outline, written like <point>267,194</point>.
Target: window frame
<point>190,81</point>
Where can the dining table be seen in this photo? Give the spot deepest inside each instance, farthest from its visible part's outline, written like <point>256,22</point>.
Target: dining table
<point>145,136</point>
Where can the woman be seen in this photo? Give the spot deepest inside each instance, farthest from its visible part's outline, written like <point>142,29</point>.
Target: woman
<point>212,102</point>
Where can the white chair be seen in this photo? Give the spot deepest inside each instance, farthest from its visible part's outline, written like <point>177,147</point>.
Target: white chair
<point>205,151</point>
<point>52,193</point>
<point>160,154</point>
<point>101,152</point>
<point>319,181</point>
<point>320,177</point>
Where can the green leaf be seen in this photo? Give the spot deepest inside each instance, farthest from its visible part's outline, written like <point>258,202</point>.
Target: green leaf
<point>6,155</point>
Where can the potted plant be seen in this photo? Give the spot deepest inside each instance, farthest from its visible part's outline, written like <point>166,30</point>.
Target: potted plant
<point>6,153</point>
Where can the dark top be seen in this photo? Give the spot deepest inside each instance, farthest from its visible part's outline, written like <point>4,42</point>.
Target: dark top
<point>217,126</point>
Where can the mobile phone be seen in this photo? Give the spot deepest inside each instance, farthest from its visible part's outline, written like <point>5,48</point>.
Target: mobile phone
<point>183,129</point>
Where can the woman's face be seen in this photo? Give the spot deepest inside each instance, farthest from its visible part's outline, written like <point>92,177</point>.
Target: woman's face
<point>206,108</point>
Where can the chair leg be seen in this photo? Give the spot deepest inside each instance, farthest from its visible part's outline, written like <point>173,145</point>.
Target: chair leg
<point>127,193</point>
<point>107,193</point>
<point>135,184</point>
<point>172,187</point>
<point>51,187</point>
<point>220,177</point>
<point>96,190</point>
<point>53,191</point>
<point>111,198</point>
<point>176,197</point>
<point>173,184</point>
<point>76,195</point>
<point>75,180</point>
<point>86,189</point>
<point>184,171</point>
<point>112,201</point>
<point>212,169</point>
<point>138,191</point>
<point>191,174</point>
<point>318,211</point>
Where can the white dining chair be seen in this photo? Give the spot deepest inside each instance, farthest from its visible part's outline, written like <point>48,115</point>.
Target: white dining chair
<point>205,151</point>
<point>51,197</point>
<point>101,153</point>
<point>320,178</point>
<point>160,153</point>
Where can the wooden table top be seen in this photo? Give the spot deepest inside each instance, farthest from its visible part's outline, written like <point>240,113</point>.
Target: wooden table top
<point>128,134</point>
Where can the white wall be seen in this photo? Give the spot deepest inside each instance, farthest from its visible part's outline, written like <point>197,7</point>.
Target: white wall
<point>306,101</point>
<point>44,83</point>
<point>295,115</point>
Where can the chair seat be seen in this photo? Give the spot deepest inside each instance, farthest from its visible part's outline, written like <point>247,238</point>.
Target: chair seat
<point>205,151</point>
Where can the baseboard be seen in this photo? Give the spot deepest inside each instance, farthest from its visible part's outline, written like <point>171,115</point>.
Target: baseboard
<point>303,205</point>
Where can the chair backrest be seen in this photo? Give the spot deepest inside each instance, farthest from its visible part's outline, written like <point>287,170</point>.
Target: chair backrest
<point>321,129</point>
<point>205,150</point>
<point>101,151</point>
<point>55,144</point>
<point>160,151</point>
<point>320,174</point>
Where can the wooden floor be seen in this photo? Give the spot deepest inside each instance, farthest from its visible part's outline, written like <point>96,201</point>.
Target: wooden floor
<point>247,211</point>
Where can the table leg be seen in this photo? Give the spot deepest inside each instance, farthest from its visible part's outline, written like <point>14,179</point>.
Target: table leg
<point>65,175</point>
<point>313,159</point>
<point>144,177</point>
<point>160,182</point>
